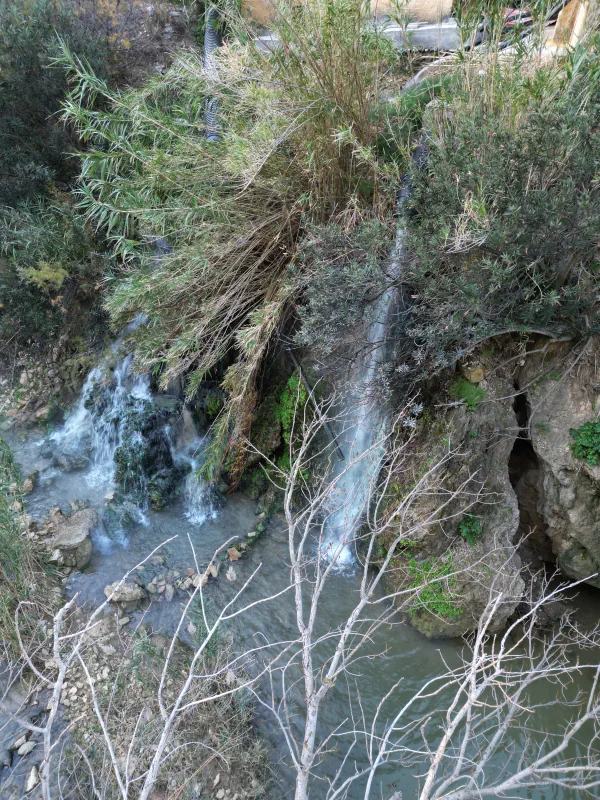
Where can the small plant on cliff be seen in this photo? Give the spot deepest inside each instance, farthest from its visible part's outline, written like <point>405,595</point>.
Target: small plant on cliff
<point>470,528</point>
<point>469,393</point>
<point>587,442</point>
<point>436,596</point>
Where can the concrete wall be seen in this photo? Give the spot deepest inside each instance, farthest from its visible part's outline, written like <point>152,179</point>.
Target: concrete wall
<point>423,10</point>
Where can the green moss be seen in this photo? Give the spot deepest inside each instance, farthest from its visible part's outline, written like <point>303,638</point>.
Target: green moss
<point>470,528</point>
<point>587,442</point>
<point>470,393</point>
<point>436,598</point>
<point>213,405</point>
<point>542,428</point>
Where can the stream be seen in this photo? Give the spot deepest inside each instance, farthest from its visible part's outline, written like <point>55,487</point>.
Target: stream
<point>98,431</point>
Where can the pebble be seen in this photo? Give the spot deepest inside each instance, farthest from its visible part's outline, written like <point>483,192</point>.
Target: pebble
<point>18,743</point>
<point>26,748</point>
<point>33,778</point>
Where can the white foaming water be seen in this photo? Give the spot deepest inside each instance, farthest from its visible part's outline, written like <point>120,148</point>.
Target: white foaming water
<point>365,422</point>
<point>95,426</point>
<point>189,449</point>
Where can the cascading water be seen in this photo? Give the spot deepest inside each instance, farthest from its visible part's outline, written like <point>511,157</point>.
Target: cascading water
<point>188,449</point>
<point>96,424</point>
<point>365,421</point>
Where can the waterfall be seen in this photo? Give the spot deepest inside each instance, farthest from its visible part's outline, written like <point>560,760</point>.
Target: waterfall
<point>188,448</point>
<point>95,426</point>
<point>365,421</point>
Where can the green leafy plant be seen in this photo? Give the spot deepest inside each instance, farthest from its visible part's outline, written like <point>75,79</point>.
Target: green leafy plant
<point>587,442</point>
<point>470,393</point>
<point>51,269</point>
<point>470,528</point>
<point>436,598</point>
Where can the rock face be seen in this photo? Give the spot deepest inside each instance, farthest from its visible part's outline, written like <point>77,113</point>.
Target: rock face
<point>564,398</point>
<point>71,544</point>
<point>480,440</point>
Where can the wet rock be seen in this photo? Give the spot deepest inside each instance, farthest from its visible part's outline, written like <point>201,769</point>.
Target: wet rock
<point>47,450</point>
<point>44,414</point>
<point>124,593</point>
<point>70,463</point>
<point>231,574</point>
<point>486,562</point>
<point>29,483</point>
<point>73,538</point>
<point>33,779</point>
<point>169,592</point>
<point>26,748</point>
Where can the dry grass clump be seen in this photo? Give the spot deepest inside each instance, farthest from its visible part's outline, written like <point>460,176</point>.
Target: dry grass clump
<point>212,743</point>
<point>23,576</point>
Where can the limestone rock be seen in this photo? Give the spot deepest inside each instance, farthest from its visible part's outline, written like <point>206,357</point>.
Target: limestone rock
<point>127,592</point>
<point>568,497</point>
<point>73,538</point>
<point>480,464</point>
<point>26,748</point>
<point>233,553</point>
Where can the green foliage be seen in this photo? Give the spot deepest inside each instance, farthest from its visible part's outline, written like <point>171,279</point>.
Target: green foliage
<point>471,529</point>
<point>50,272</point>
<point>587,442</point>
<point>436,598</point>
<point>506,208</point>
<point>212,405</point>
<point>33,143</point>
<point>343,273</point>
<point>470,393</point>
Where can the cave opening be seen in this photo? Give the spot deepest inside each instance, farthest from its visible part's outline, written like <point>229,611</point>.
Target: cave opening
<point>525,474</point>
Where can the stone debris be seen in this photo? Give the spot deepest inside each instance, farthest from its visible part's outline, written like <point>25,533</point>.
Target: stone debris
<point>231,574</point>
<point>33,779</point>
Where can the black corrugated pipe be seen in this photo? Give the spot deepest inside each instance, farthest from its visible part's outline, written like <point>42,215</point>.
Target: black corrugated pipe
<point>212,40</point>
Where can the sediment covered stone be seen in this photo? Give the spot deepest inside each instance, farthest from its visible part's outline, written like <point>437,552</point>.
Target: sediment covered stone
<point>72,538</point>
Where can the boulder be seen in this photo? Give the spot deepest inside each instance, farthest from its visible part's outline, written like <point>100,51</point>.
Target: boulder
<point>70,463</point>
<point>126,593</point>
<point>72,538</point>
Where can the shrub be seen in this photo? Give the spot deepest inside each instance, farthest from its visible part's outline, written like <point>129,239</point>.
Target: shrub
<point>22,576</point>
<point>587,442</point>
<point>470,393</point>
<point>343,273</point>
<point>470,528</point>
<point>505,225</point>
<point>50,270</point>
<point>33,143</point>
